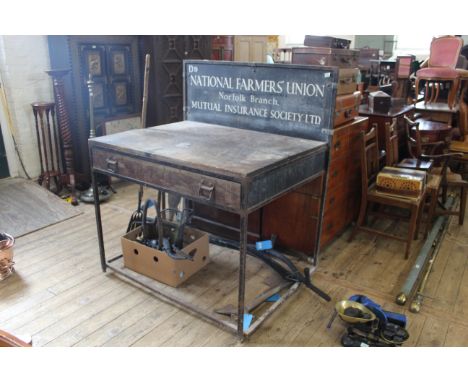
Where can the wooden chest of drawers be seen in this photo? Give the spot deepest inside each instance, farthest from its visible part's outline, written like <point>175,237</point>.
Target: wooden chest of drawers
<point>343,187</point>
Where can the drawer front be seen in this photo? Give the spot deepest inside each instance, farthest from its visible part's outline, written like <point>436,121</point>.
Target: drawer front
<point>340,143</point>
<point>337,173</point>
<point>336,198</point>
<point>193,185</point>
<point>333,223</point>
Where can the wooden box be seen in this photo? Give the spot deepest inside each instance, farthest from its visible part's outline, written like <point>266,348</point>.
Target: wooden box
<point>379,102</point>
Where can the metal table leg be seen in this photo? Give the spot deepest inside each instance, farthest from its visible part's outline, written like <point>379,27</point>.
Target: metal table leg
<point>242,263</point>
<point>97,210</point>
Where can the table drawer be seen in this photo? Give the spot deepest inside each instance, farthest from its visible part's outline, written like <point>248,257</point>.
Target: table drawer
<point>193,185</point>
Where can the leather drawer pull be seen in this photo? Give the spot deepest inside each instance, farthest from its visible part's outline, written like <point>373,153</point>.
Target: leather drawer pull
<point>112,165</point>
<point>206,191</point>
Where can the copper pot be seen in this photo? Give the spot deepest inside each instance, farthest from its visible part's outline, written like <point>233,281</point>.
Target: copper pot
<point>6,255</point>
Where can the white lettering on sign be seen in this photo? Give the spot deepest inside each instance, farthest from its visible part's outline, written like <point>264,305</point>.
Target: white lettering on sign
<point>304,89</point>
<point>211,81</point>
<point>232,97</point>
<point>264,86</point>
<point>203,105</point>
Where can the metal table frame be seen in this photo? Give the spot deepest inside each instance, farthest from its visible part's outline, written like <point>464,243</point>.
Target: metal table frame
<point>191,308</point>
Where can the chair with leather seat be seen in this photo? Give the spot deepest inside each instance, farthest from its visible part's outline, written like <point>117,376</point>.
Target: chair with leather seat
<point>369,195</point>
<point>441,68</point>
<point>448,179</point>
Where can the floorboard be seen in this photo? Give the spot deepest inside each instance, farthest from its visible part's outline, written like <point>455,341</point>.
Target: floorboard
<point>60,297</point>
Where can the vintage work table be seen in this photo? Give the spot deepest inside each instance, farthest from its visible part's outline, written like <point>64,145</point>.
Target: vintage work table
<point>233,169</point>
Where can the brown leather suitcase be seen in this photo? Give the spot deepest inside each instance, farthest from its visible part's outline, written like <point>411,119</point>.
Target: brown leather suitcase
<point>365,57</point>
<point>327,42</point>
<point>347,81</point>
<point>342,58</point>
<point>346,108</point>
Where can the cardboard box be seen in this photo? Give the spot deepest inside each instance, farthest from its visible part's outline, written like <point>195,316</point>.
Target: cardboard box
<point>158,264</point>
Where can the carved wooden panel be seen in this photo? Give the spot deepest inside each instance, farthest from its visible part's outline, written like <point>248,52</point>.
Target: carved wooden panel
<point>113,62</point>
<point>166,89</point>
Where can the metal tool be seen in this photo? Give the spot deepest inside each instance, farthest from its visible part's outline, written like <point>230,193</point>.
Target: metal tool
<point>137,216</point>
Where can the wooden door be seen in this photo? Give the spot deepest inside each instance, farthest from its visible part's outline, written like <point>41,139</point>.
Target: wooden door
<point>4,172</point>
<point>250,48</point>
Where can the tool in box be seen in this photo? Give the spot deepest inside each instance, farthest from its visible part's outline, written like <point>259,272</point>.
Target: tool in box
<point>169,240</point>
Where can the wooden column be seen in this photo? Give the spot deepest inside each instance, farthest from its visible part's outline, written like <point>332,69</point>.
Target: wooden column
<point>63,120</point>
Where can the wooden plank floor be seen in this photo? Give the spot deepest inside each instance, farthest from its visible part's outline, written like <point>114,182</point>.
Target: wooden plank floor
<point>60,297</point>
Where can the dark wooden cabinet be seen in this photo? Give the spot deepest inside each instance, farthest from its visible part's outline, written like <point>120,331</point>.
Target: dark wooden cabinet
<point>113,61</point>
<point>165,96</point>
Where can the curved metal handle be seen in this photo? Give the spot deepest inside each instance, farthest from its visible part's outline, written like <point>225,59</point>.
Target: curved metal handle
<point>112,165</point>
<point>206,191</point>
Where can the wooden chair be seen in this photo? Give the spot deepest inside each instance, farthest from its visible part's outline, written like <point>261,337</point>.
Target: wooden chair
<point>369,170</point>
<point>433,181</point>
<point>448,179</point>
<point>392,157</point>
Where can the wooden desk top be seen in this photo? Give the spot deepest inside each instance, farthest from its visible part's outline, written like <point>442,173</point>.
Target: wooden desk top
<point>218,149</point>
<point>398,108</point>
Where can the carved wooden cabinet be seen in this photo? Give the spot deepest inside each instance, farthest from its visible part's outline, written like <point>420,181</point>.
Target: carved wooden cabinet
<point>113,61</point>
<point>165,96</point>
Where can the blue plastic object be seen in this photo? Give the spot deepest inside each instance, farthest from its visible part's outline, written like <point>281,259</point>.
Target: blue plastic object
<point>264,245</point>
<point>273,298</point>
<point>247,320</point>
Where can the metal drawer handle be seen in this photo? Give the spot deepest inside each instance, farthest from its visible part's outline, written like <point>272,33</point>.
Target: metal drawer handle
<point>206,191</point>
<point>348,113</point>
<point>337,145</point>
<point>112,165</point>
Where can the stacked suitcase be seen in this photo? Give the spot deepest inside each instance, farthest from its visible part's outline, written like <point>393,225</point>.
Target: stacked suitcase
<point>343,187</point>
